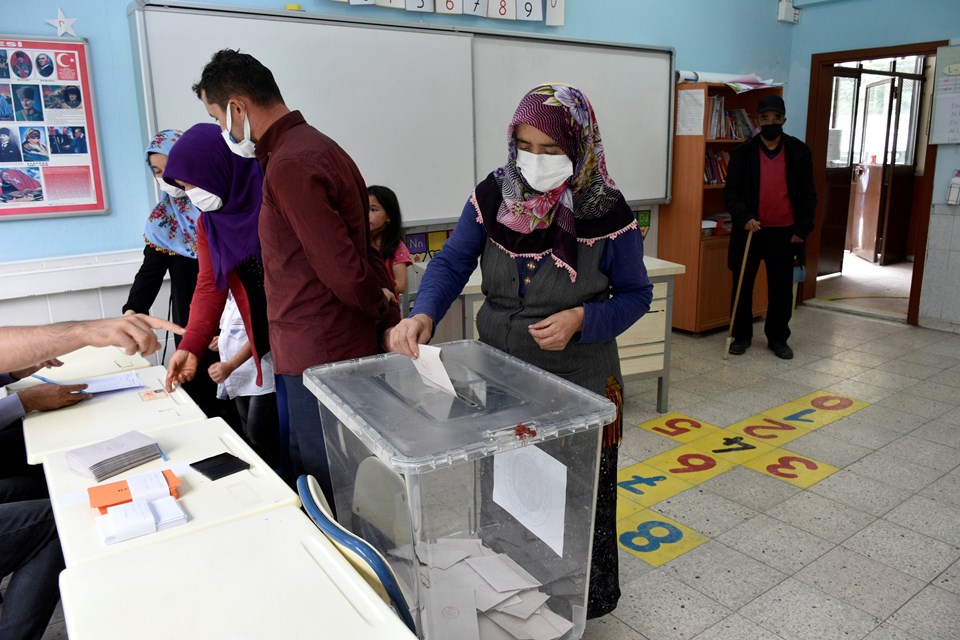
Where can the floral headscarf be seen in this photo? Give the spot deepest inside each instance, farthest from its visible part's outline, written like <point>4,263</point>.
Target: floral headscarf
<point>586,208</point>
<point>172,224</point>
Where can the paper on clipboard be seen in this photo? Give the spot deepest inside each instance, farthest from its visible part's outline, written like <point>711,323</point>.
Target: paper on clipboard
<point>431,368</point>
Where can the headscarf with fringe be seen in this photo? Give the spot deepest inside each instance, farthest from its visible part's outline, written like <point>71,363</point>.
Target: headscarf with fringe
<point>586,208</point>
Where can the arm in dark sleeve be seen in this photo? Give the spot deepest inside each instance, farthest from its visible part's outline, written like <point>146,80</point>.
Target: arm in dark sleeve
<point>734,191</point>
<point>630,288</point>
<point>11,410</point>
<point>804,213</point>
<point>448,272</point>
<point>147,283</point>
<point>207,304</point>
<point>324,235</point>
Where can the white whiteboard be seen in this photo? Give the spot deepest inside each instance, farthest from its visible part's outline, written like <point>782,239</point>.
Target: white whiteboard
<point>421,110</point>
<point>627,88</point>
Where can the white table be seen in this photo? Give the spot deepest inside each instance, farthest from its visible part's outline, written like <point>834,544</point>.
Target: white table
<point>87,362</point>
<point>107,415</point>
<point>207,502</point>
<point>268,577</point>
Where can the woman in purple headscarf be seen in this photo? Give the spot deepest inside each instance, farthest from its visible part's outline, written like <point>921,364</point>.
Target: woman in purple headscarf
<point>227,189</point>
<point>562,264</point>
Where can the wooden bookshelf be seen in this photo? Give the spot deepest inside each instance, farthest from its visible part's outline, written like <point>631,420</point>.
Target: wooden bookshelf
<point>702,295</point>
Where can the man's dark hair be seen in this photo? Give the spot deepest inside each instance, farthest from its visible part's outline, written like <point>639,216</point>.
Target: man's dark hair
<point>231,73</point>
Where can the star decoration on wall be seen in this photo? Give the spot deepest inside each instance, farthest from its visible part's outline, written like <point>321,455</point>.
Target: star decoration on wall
<point>63,24</point>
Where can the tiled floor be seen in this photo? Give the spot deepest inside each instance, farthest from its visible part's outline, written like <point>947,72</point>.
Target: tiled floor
<point>872,551</point>
<point>867,287</point>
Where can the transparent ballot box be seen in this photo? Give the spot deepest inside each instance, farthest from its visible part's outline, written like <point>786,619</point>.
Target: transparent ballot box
<point>482,501</point>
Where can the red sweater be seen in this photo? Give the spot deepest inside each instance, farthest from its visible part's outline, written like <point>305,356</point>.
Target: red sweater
<point>775,209</point>
<point>323,279</point>
<point>208,302</point>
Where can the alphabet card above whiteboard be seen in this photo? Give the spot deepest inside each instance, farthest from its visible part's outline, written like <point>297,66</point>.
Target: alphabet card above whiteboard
<point>946,97</point>
<point>550,12</point>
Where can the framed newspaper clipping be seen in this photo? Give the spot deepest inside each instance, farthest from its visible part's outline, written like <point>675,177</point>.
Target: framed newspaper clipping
<point>50,162</point>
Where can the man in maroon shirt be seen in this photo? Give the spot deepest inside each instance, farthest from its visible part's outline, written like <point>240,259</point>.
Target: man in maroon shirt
<point>769,191</point>
<point>329,296</point>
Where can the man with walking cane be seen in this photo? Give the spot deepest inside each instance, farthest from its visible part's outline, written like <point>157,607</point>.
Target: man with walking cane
<point>771,197</point>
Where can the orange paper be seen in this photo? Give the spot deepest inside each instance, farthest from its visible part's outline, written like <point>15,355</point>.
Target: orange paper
<point>104,496</point>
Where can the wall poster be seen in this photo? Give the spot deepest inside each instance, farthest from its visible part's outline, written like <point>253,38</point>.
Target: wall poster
<point>50,163</point>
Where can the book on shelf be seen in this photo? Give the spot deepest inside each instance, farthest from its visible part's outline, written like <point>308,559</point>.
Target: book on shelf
<point>715,167</point>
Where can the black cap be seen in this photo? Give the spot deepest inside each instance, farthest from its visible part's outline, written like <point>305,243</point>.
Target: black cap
<point>771,103</point>
<point>4,131</point>
<point>27,93</point>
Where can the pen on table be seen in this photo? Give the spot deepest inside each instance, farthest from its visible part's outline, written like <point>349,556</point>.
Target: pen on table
<point>42,379</point>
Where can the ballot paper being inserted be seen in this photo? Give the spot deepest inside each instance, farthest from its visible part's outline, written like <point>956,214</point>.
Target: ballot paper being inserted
<point>431,368</point>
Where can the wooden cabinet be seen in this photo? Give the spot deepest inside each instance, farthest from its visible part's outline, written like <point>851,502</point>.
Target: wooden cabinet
<point>702,295</point>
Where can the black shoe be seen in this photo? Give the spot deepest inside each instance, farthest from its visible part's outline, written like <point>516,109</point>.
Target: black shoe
<point>739,347</point>
<point>781,349</point>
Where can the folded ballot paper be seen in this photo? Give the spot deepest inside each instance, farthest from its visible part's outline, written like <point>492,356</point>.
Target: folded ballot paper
<point>473,593</point>
<point>140,517</point>
<point>108,458</point>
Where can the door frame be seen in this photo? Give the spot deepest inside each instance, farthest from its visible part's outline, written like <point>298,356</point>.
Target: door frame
<point>818,109</point>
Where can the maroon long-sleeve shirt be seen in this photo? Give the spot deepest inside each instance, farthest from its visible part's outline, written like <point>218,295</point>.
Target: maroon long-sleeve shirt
<point>323,279</point>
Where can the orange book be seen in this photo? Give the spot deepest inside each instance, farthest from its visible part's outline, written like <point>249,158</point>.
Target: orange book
<point>103,496</point>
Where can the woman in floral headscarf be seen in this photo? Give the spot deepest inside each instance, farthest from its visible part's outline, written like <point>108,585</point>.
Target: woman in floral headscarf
<point>562,264</point>
<point>171,237</point>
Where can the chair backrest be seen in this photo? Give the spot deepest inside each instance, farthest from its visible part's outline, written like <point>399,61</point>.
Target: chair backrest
<point>366,559</point>
<point>379,500</point>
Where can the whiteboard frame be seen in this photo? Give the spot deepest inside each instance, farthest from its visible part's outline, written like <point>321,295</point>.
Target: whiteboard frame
<point>146,99</point>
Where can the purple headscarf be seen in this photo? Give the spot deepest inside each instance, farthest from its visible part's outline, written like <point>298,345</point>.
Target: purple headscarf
<point>202,158</point>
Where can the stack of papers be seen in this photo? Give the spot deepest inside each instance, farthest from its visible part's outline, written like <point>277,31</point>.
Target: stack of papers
<point>472,592</point>
<point>148,486</point>
<point>115,382</point>
<point>140,517</point>
<point>108,458</point>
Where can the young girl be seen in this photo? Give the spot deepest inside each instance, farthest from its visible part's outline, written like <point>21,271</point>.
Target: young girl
<point>386,234</point>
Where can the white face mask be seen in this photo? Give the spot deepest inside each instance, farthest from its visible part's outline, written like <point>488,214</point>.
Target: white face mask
<point>170,190</point>
<point>204,200</point>
<point>544,172</point>
<point>245,148</point>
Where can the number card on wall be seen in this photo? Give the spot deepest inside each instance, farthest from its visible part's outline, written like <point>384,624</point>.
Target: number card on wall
<point>555,11</point>
<point>502,9</point>
<point>393,4</point>
<point>49,156</point>
<point>450,6</point>
<point>530,10</point>
<point>420,5</point>
<point>362,2</point>
<point>475,8</point>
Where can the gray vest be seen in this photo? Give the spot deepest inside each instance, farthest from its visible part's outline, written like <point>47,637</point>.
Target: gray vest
<point>503,319</point>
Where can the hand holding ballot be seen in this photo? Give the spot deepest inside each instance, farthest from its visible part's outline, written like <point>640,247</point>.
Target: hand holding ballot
<point>48,397</point>
<point>407,336</point>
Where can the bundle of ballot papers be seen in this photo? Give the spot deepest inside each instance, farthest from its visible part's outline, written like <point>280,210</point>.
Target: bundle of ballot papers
<point>137,506</point>
<point>472,592</point>
<point>106,459</point>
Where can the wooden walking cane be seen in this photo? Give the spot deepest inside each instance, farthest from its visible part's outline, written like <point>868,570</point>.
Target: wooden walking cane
<point>736,298</point>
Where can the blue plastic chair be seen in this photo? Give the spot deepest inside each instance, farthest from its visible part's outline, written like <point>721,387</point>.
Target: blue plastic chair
<point>364,557</point>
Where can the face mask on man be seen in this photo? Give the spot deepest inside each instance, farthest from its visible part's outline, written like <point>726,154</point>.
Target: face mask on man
<point>244,148</point>
<point>204,200</point>
<point>544,172</point>
<point>771,131</point>
<point>170,190</point>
